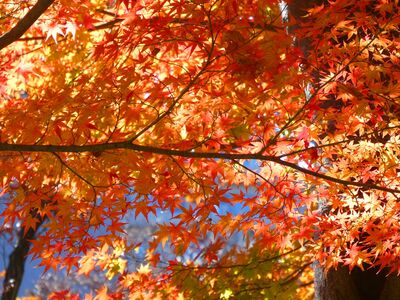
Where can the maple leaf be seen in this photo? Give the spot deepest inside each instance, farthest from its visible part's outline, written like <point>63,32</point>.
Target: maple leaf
<point>53,31</point>
<point>88,21</point>
<point>116,266</point>
<point>213,120</point>
<point>102,294</point>
<point>70,28</point>
<point>117,226</point>
<point>87,263</point>
<point>144,269</point>
<point>65,294</point>
<point>30,223</point>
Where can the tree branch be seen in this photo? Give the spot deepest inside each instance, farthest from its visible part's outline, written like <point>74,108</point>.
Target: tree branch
<point>25,23</point>
<point>350,139</point>
<point>189,154</point>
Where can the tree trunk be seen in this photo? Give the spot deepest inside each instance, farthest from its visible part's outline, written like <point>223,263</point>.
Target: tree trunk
<point>340,283</point>
<point>16,265</point>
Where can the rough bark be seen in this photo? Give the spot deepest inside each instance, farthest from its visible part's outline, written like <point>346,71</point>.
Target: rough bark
<point>391,289</point>
<point>341,284</point>
<point>334,285</point>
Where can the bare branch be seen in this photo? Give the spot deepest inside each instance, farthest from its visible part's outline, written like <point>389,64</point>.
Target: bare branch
<point>25,23</point>
<point>189,154</point>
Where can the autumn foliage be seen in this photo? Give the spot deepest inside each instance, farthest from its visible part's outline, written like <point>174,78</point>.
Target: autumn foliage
<point>112,109</point>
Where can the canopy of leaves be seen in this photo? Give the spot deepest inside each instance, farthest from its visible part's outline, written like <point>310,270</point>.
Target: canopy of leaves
<point>116,107</point>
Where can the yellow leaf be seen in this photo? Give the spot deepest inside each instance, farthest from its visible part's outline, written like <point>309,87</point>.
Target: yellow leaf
<point>241,132</point>
<point>86,264</point>
<point>116,266</point>
<point>102,294</point>
<point>144,269</point>
<point>226,294</point>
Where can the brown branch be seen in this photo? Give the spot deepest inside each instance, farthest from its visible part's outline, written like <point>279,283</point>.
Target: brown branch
<point>188,154</point>
<point>351,139</point>
<point>101,26</point>
<point>108,13</point>
<point>105,25</point>
<point>256,263</point>
<point>75,173</point>
<point>25,23</point>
